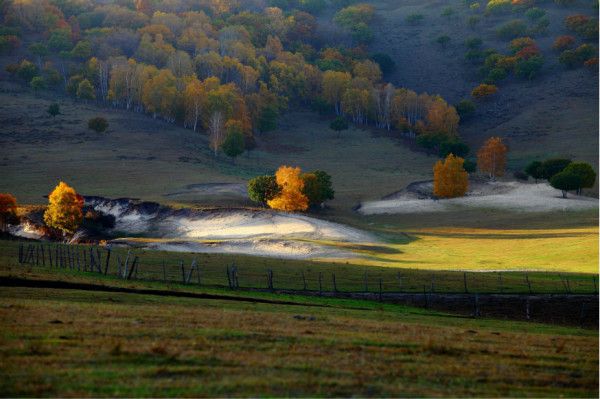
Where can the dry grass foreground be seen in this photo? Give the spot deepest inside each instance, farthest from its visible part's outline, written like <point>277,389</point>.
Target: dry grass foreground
<point>76,343</point>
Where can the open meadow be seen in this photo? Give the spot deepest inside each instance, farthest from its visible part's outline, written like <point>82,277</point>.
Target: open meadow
<point>299,198</point>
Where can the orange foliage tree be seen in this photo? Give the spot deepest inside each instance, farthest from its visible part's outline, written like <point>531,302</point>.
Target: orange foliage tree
<point>8,209</point>
<point>484,90</point>
<point>491,157</point>
<point>450,180</point>
<point>564,42</point>
<point>64,212</point>
<point>290,197</point>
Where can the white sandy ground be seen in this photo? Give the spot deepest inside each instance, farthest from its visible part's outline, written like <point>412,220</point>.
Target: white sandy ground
<point>513,196</point>
<point>252,232</point>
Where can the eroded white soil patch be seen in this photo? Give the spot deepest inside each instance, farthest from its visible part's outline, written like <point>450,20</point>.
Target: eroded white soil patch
<point>509,196</point>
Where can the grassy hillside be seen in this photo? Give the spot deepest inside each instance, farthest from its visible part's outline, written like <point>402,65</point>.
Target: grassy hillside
<point>146,158</point>
<point>555,114</point>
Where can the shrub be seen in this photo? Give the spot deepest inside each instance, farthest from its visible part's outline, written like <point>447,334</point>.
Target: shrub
<point>575,58</point>
<point>465,109</point>
<point>98,124</point>
<point>414,19</point>
<point>512,29</point>
<point>585,172</point>
<point>498,6</point>
<point>472,21</point>
<point>263,188</point>
<point>338,124</point>
<point>85,90</point>
<point>474,56</point>
<point>540,27</point>
<point>470,166</point>
<point>54,109</point>
<point>551,167</point>
<point>535,13</point>
<point>473,43</point>
<point>582,25</point>
<point>37,83</point>
<point>484,90</point>
<point>535,170</point>
<point>520,175</point>
<point>521,43</point>
<point>317,187</point>
<point>529,68</point>
<point>234,144</point>
<point>27,71</point>
<point>455,147</point>
<point>564,42</point>
<point>386,63</point>
<point>9,43</point>
<point>495,75</point>
<point>592,64</point>
<point>507,63</point>
<point>362,34</point>
<point>565,181</point>
<point>443,40</point>
<point>8,210</point>
<point>447,11</point>
<point>528,52</point>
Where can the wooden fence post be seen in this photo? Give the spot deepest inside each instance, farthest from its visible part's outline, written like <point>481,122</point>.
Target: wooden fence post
<point>582,314</point>
<point>465,282</point>
<point>500,282</point>
<point>320,283</point>
<point>183,272</point>
<point>107,260</point>
<point>476,312</point>
<point>50,254</point>
<point>43,255</point>
<point>528,282</point>
<point>432,283</point>
<point>527,309</point>
<point>399,282</point>
<point>334,283</point>
<point>595,286</point>
<point>133,268</point>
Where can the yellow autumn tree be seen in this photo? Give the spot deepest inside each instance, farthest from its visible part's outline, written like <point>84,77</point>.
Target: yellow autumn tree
<point>64,210</point>
<point>491,157</point>
<point>450,180</point>
<point>290,197</point>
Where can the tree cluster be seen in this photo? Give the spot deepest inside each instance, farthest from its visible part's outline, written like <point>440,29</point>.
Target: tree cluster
<point>291,190</point>
<point>215,64</point>
<point>563,174</point>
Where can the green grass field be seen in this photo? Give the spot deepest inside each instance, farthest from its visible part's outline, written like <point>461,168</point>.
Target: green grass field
<point>79,343</point>
<point>291,274</point>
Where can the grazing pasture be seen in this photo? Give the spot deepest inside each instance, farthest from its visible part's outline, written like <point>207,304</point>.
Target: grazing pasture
<point>57,342</point>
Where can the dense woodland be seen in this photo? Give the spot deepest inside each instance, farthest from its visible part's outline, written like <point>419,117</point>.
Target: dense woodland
<point>226,67</point>
<point>230,68</point>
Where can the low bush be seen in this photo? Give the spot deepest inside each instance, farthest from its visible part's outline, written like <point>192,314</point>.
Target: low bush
<point>98,124</point>
<point>414,19</point>
<point>512,29</point>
